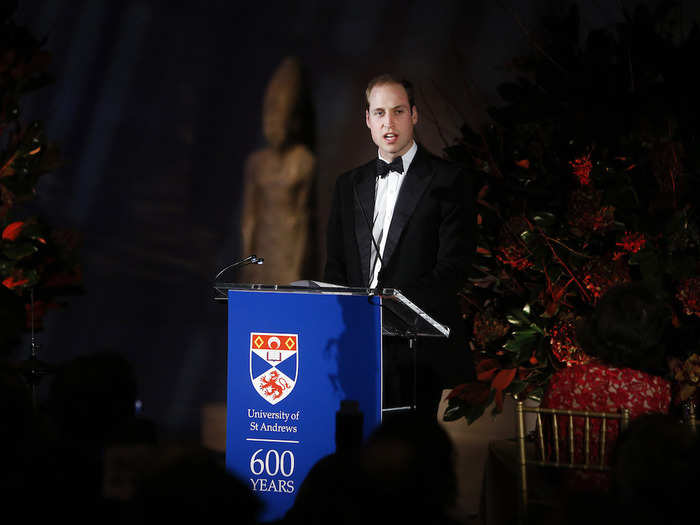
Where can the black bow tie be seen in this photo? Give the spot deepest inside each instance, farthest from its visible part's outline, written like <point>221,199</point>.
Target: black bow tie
<point>383,168</point>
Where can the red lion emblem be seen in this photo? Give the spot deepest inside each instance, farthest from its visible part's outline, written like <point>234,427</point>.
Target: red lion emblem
<point>273,385</point>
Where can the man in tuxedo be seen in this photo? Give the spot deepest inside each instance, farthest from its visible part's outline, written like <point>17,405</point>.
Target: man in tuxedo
<point>405,220</point>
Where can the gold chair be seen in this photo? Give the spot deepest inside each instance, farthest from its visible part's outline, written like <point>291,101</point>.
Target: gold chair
<point>550,453</point>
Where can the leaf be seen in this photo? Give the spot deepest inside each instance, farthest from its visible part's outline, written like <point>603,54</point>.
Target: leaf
<point>17,251</point>
<point>519,317</point>
<point>487,364</point>
<point>457,407</point>
<point>516,386</point>
<point>455,411</point>
<point>474,413</point>
<point>498,398</point>
<point>544,219</point>
<point>522,341</point>
<point>512,319</point>
<point>482,192</point>
<point>536,394</point>
<point>487,375</point>
<point>470,394</point>
<point>529,237</point>
<point>484,282</point>
<point>551,309</point>
<point>13,230</point>
<point>504,378</point>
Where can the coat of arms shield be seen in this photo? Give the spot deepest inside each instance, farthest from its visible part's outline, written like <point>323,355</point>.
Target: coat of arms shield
<point>274,364</point>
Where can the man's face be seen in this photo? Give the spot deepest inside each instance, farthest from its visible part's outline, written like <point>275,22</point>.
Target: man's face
<point>391,119</point>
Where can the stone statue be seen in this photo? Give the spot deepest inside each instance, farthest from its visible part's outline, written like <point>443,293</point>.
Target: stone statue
<point>278,217</point>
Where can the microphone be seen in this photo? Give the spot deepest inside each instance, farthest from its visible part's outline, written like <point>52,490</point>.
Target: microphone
<point>251,259</point>
<point>371,235</point>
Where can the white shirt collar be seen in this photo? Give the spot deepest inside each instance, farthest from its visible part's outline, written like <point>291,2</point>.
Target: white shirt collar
<point>406,158</point>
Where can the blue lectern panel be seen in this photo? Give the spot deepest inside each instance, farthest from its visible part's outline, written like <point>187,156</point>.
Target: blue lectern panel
<point>291,359</point>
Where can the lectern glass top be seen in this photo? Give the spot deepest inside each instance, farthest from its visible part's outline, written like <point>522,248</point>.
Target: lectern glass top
<point>311,287</point>
<point>400,316</point>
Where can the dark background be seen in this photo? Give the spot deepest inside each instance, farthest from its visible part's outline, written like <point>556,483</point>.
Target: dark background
<point>157,104</point>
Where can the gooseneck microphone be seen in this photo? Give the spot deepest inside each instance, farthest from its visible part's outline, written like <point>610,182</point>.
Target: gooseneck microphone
<point>371,235</point>
<point>251,259</point>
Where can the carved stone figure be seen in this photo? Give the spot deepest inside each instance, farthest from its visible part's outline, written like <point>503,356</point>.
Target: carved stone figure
<point>278,218</point>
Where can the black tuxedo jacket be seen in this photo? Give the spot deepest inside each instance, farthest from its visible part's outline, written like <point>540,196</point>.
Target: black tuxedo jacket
<point>428,250</point>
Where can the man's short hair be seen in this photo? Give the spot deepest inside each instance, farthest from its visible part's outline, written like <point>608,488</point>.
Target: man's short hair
<point>386,78</point>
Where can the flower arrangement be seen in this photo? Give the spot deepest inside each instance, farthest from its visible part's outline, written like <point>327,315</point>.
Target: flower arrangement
<point>37,263</point>
<point>585,178</point>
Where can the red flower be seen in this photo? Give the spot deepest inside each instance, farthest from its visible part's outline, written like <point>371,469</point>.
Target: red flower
<point>603,218</point>
<point>12,230</point>
<point>582,169</point>
<point>563,343</point>
<point>513,256</point>
<point>632,242</point>
<point>511,249</point>
<point>13,282</point>
<point>586,213</point>
<point>487,328</point>
<point>602,274</point>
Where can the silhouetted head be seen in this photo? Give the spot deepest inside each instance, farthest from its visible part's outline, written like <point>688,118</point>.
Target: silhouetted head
<point>627,328</point>
<point>656,470</point>
<point>408,463</point>
<point>194,487</point>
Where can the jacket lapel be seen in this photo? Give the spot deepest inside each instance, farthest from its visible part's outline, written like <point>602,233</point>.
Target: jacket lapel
<point>364,209</point>
<point>414,185</point>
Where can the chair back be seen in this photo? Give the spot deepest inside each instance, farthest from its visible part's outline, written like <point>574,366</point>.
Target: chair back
<point>560,451</point>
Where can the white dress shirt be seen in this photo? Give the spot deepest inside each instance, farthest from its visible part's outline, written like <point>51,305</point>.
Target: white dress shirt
<point>386,191</point>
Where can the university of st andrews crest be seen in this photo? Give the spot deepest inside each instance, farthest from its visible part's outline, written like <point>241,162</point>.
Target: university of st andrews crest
<point>274,363</point>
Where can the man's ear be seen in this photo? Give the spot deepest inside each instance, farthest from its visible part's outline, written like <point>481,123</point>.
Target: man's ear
<point>367,118</point>
<point>414,115</point>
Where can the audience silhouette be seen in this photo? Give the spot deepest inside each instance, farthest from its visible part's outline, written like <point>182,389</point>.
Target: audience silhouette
<point>53,461</point>
<point>656,470</point>
<point>192,486</point>
<point>404,472</point>
<point>655,477</point>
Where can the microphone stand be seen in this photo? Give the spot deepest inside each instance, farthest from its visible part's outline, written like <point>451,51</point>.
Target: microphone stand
<point>35,370</point>
<point>251,259</point>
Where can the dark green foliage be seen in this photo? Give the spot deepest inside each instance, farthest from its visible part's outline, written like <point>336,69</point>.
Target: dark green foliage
<point>587,176</point>
<point>37,262</point>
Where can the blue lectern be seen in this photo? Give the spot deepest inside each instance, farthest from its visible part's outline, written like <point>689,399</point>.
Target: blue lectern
<point>294,353</point>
